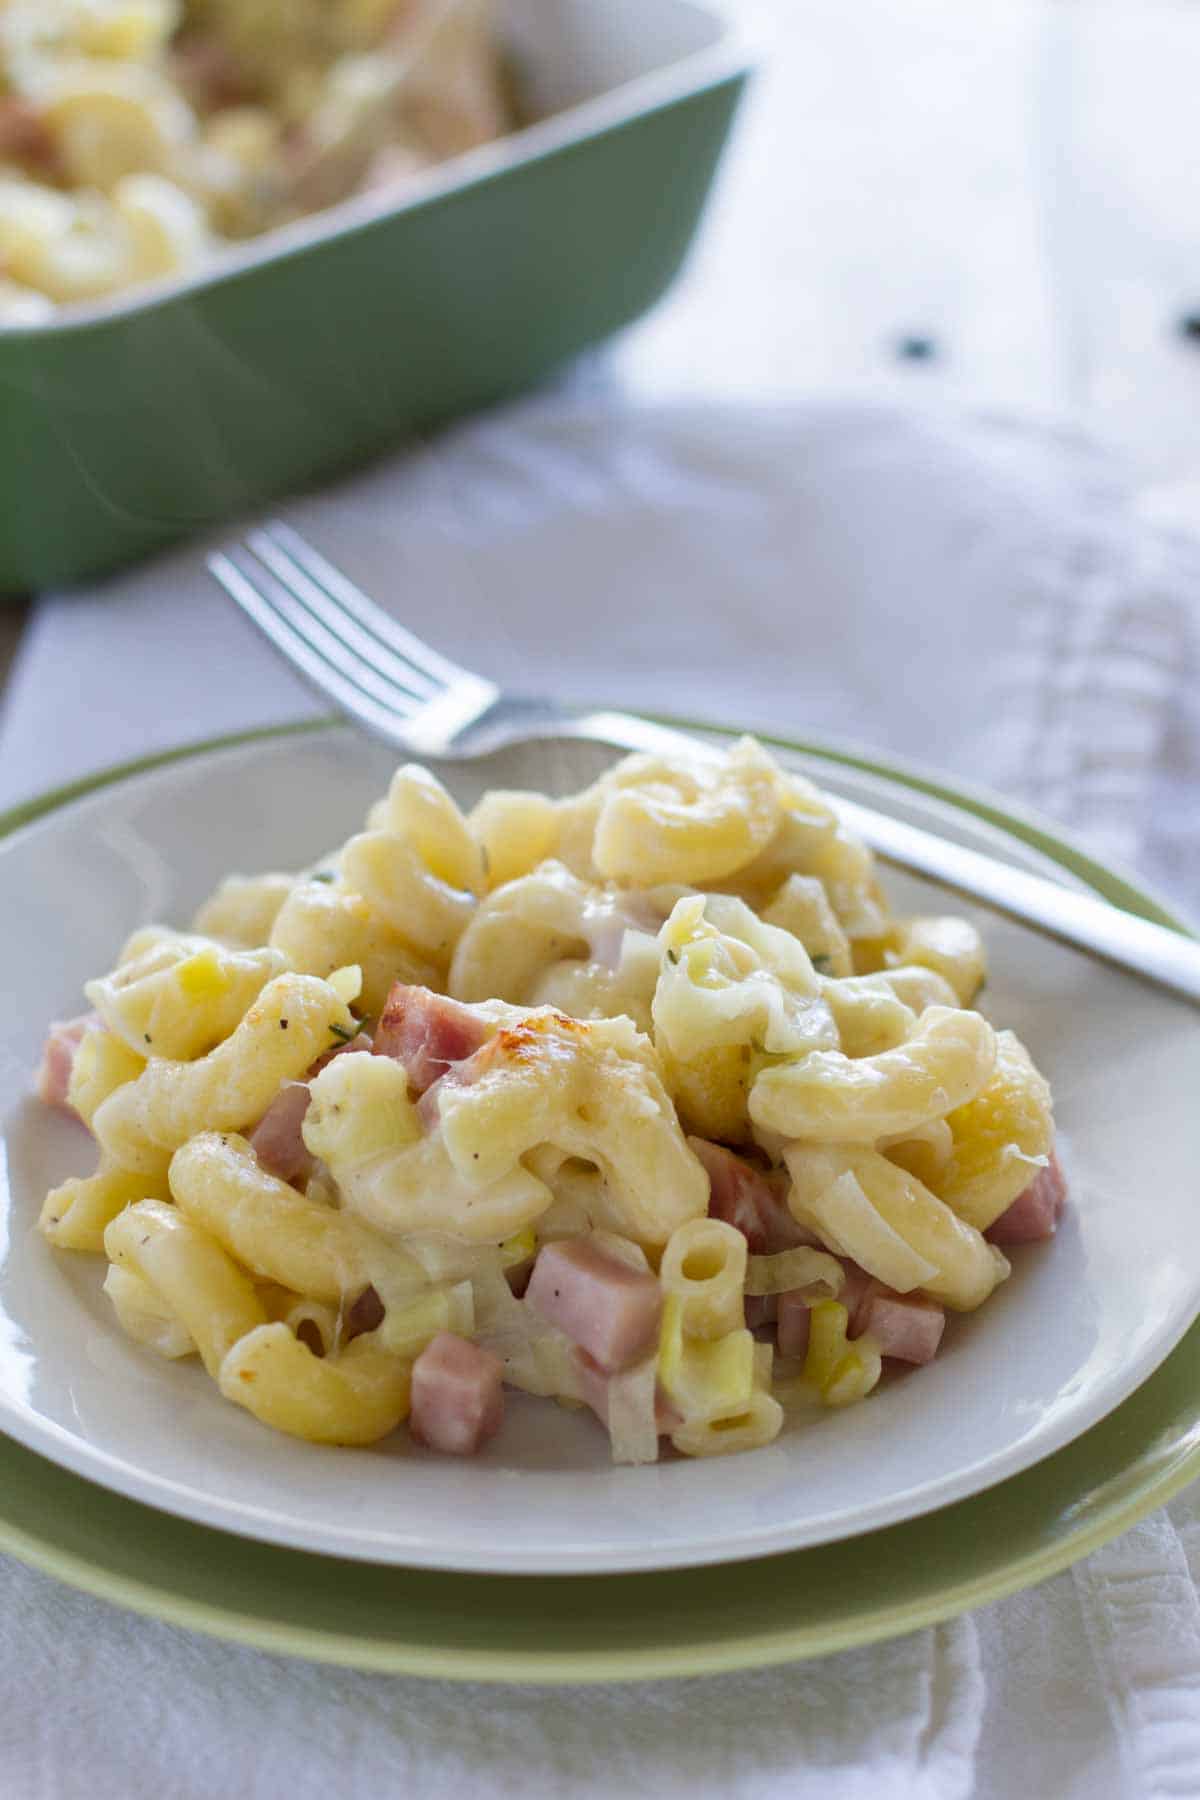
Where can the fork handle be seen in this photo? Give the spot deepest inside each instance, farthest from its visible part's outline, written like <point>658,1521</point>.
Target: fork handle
<point>1169,958</point>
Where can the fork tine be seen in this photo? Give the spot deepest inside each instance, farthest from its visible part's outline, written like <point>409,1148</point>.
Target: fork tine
<point>331,613</point>
<point>353,601</point>
<point>312,630</point>
<point>382,717</point>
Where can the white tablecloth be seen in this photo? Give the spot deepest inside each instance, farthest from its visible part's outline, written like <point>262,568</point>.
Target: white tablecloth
<point>972,595</point>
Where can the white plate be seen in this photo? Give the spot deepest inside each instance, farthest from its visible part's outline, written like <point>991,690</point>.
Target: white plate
<point>1082,1322</point>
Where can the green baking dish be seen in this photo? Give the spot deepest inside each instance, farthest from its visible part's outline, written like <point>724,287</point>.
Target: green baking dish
<point>136,421</point>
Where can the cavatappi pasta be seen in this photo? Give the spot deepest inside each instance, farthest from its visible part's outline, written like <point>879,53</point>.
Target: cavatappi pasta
<point>139,136</point>
<point>640,1099</point>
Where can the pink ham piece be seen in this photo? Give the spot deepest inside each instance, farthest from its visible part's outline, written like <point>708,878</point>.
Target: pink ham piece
<point>761,1309</point>
<point>427,1033</point>
<point>24,135</point>
<point>1033,1215</point>
<point>53,1076</point>
<point>744,1197</point>
<point>209,75</point>
<point>277,1140</point>
<point>609,1309</point>
<point>791,1327</point>
<point>457,1396</point>
<point>905,1326</point>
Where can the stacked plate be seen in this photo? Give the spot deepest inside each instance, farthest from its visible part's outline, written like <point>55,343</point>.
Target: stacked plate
<point>1065,1410</point>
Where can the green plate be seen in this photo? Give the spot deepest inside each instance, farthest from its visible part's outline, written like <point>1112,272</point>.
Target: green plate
<point>578,1629</point>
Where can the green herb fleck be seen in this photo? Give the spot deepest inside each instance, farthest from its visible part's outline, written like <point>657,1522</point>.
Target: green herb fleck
<point>342,1035</point>
<point>323,875</point>
<point>672,956</point>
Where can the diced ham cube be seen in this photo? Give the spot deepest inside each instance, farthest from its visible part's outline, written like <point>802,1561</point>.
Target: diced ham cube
<point>25,136</point>
<point>209,74</point>
<point>857,1291</point>
<point>1033,1215</point>
<point>53,1076</point>
<point>427,1033</point>
<point>749,1200</point>
<point>277,1140</point>
<point>602,1304</point>
<point>761,1309</point>
<point>457,1396</point>
<point>792,1324</point>
<point>904,1327</point>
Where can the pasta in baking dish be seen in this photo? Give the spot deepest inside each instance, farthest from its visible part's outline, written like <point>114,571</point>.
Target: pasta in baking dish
<point>138,136</point>
<point>640,1100</point>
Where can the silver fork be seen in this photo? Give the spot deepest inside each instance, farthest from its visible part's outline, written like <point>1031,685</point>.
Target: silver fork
<point>399,689</point>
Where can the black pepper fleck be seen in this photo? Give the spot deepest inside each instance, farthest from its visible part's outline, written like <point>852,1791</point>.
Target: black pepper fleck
<point>283,1024</point>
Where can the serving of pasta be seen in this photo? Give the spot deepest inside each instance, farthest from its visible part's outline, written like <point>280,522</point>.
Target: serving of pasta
<point>642,1101</point>
<point>137,137</point>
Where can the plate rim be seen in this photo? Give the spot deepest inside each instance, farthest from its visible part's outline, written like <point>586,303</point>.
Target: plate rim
<point>746,1649</point>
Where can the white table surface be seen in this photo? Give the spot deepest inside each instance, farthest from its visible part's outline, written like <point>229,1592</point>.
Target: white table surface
<point>901,169</point>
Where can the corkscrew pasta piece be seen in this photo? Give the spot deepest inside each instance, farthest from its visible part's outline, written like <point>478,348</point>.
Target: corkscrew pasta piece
<point>832,1097</point>
<point>731,992</point>
<point>293,1021</point>
<point>418,809</point>
<point>272,1230</point>
<point>76,1214</point>
<point>868,1208</point>
<point>103,1063</point>
<point>182,995</point>
<point>662,820</point>
<point>244,909</point>
<point>145,1316</point>
<point>356,1397</point>
<point>323,926</point>
<point>200,1285</point>
<point>548,938</point>
<point>950,947</point>
<point>1000,1139</point>
<point>515,832</point>
<point>801,906</point>
<point>592,1090</point>
<point>424,912</point>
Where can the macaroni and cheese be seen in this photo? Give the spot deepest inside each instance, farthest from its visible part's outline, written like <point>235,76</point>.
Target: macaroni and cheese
<point>139,136</point>
<point>640,1100</point>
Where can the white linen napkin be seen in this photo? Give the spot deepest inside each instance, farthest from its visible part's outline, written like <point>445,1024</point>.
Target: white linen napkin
<point>976,596</point>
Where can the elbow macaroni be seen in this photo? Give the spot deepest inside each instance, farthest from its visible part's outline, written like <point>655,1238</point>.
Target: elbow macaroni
<point>571,985</point>
<point>145,133</point>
